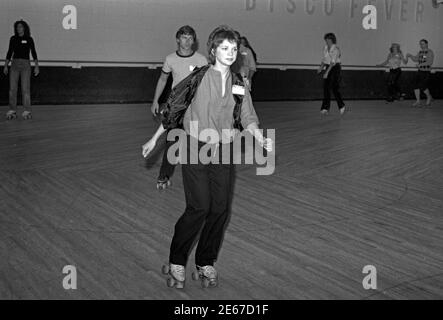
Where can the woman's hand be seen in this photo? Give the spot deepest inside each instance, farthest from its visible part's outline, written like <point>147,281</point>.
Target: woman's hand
<point>154,108</point>
<point>325,75</point>
<point>148,147</point>
<point>5,70</point>
<point>266,144</point>
<point>36,71</point>
<point>319,70</point>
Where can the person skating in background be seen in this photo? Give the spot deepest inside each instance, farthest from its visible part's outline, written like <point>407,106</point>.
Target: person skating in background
<point>331,65</point>
<point>180,64</point>
<point>21,45</point>
<point>394,61</point>
<point>424,59</point>
<point>246,63</point>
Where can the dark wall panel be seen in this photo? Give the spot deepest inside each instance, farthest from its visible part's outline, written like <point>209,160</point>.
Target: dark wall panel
<point>64,85</point>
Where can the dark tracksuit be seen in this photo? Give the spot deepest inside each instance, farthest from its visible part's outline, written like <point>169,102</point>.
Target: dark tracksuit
<point>393,83</point>
<point>332,82</point>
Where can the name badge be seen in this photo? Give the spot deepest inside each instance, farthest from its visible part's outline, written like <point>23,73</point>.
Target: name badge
<point>236,89</point>
<point>191,68</point>
<point>24,41</point>
<point>244,53</point>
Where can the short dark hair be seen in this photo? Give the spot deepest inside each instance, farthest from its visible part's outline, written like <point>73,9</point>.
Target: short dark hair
<point>186,30</point>
<point>219,35</point>
<point>331,37</point>
<point>27,30</point>
<point>424,40</point>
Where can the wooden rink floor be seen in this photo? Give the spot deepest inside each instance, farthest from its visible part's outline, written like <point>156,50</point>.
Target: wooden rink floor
<point>364,189</point>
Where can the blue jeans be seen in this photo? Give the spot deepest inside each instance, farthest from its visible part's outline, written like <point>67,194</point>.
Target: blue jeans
<point>20,69</point>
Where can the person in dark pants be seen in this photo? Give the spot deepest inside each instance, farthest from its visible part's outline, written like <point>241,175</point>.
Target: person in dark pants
<point>180,64</point>
<point>394,61</point>
<point>208,186</point>
<point>424,59</point>
<point>21,45</point>
<point>331,65</point>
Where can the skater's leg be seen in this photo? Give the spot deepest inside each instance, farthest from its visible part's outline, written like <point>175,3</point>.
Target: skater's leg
<point>220,176</point>
<point>196,186</point>
<point>167,168</point>
<point>335,83</point>
<point>417,97</point>
<point>396,87</point>
<point>419,81</point>
<point>326,94</point>
<point>25,76</point>
<point>425,87</point>
<point>14,76</point>
<point>391,86</point>
<point>428,97</point>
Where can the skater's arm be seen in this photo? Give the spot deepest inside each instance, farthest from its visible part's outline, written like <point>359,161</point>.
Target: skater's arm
<point>257,133</point>
<point>413,58</point>
<point>10,50</point>
<point>331,65</point>
<point>5,68</point>
<point>250,121</point>
<point>384,63</point>
<point>150,145</point>
<point>320,69</point>
<point>159,132</point>
<point>334,53</point>
<point>35,57</point>
<point>9,55</point>
<point>429,59</point>
<point>405,60</point>
<point>161,84</point>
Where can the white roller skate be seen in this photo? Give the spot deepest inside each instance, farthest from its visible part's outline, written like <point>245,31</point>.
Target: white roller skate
<point>11,114</point>
<point>26,115</point>
<point>207,275</point>
<point>163,183</point>
<point>176,275</point>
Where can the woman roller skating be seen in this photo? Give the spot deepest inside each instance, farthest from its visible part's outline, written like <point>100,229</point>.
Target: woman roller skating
<point>21,45</point>
<point>216,104</point>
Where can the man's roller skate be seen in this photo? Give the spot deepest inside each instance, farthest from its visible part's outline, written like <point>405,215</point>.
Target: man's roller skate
<point>163,183</point>
<point>11,114</point>
<point>176,275</point>
<point>26,115</point>
<point>207,275</point>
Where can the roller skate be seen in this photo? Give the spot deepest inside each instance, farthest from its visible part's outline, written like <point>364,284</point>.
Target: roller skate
<point>429,102</point>
<point>11,115</point>
<point>207,275</point>
<point>324,112</point>
<point>342,110</point>
<point>176,275</point>
<point>26,115</point>
<point>163,183</point>
<point>416,104</point>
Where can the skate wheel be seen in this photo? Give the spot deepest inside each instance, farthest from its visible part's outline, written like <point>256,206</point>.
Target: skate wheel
<point>170,282</point>
<point>195,276</point>
<point>165,269</point>
<point>205,283</point>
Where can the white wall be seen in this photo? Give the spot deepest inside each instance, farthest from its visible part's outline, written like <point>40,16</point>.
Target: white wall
<point>143,30</point>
